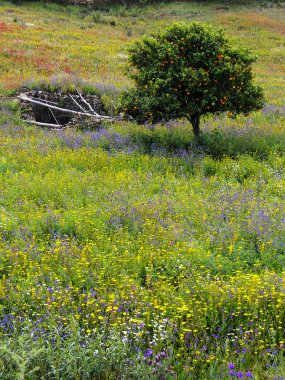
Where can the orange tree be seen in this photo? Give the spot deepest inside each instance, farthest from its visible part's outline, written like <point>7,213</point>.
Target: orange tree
<point>189,71</point>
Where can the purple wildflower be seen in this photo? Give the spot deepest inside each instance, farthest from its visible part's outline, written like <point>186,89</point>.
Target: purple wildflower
<point>148,353</point>
<point>239,375</point>
<point>231,366</point>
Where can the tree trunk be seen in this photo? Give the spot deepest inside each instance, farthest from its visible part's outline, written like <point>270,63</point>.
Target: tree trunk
<point>195,121</point>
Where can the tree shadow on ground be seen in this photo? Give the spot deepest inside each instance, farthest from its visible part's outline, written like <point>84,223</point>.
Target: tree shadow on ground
<point>217,143</point>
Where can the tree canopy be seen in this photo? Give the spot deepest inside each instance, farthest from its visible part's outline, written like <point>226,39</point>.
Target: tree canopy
<point>189,71</point>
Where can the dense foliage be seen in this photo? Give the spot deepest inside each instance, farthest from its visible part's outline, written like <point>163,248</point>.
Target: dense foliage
<point>189,71</point>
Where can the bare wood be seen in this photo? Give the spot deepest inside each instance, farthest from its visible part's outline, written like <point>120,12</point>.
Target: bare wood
<point>26,98</point>
<point>78,105</point>
<point>45,124</point>
<point>53,115</point>
<point>44,100</point>
<point>88,105</point>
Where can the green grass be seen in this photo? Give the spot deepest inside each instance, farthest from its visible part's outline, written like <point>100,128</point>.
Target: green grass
<point>128,252</point>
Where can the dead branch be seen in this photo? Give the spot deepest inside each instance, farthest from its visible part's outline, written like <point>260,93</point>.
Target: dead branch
<point>44,100</point>
<point>53,115</point>
<point>27,99</point>
<point>55,126</point>
<point>76,103</point>
<point>88,105</point>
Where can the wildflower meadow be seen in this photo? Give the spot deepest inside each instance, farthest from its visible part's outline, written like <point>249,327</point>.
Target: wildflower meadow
<point>129,252</point>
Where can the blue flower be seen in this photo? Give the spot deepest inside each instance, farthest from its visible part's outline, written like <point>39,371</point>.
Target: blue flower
<point>148,353</point>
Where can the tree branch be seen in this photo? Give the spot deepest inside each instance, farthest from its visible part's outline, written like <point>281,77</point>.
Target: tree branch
<point>88,105</point>
<point>55,126</point>
<point>53,115</point>
<point>75,102</point>
<point>44,100</point>
<point>27,99</point>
